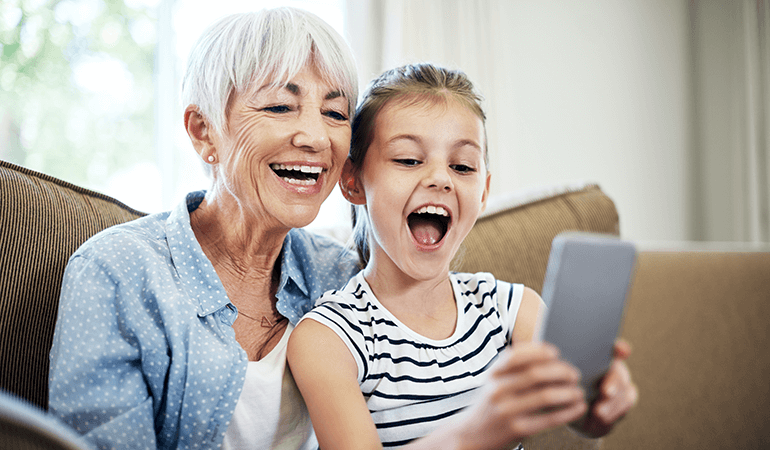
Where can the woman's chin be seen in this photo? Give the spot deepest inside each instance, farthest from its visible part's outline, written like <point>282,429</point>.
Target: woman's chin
<point>299,216</point>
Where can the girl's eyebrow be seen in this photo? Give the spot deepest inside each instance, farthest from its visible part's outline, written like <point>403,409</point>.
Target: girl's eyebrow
<point>469,142</point>
<point>404,137</point>
<point>417,140</point>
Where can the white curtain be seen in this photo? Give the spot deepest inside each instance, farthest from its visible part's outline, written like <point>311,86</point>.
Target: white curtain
<point>463,34</point>
<point>731,75</point>
<point>756,19</point>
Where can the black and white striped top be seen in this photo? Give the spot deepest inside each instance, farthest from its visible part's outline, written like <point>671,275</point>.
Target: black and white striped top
<point>412,384</point>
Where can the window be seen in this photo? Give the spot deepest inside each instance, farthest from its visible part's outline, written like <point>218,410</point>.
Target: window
<point>90,92</point>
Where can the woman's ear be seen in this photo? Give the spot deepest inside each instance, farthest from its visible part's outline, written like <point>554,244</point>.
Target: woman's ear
<point>350,185</point>
<point>199,131</point>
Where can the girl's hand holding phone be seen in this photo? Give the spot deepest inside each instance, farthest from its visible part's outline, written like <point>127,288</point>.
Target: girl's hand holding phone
<point>617,395</point>
<point>529,390</point>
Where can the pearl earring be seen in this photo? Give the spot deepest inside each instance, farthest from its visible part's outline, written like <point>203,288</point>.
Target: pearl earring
<point>211,158</point>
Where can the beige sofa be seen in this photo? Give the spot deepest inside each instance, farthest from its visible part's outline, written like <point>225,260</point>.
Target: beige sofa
<point>698,320</point>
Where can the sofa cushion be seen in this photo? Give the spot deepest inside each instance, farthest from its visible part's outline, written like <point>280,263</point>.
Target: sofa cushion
<point>43,220</point>
<point>698,323</point>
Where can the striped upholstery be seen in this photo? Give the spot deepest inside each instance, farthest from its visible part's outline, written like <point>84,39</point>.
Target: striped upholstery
<point>513,243</point>
<point>42,221</point>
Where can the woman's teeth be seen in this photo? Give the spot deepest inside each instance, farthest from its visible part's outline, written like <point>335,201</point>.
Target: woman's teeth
<point>297,174</point>
<point>297,168</point>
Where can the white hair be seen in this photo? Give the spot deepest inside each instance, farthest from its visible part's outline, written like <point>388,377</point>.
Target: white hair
<point>266,47</point>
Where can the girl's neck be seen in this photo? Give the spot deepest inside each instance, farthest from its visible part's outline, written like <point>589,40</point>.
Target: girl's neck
<point>427,307</point>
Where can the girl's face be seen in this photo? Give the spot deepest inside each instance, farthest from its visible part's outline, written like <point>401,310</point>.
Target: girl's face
<point>424,182</point>
<point>284,149</point>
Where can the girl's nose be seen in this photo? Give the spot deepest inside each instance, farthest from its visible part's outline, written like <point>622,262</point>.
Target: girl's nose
<point>438,178</point>
<point>311,133</point>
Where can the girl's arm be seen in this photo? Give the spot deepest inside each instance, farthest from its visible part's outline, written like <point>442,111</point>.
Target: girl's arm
<point>327,377</point>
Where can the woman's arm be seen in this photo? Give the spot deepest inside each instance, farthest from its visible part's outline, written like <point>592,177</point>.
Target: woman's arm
<point>96,384</point>
<point>327,377</point>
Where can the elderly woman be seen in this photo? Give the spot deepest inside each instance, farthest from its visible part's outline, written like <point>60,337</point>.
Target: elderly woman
<point>172,329</point>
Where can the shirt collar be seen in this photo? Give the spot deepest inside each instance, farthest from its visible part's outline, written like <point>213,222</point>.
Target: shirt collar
<point>197,274</point>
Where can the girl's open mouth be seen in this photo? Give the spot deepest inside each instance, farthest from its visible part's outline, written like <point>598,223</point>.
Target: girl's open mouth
<point>429,224</point>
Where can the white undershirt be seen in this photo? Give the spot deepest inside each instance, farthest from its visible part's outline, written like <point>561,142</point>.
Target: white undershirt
<point>270,413</point>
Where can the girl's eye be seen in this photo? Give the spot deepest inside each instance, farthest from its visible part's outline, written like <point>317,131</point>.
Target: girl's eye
<point>277,109</point>
<point>407,162</point>
<point>336,115</point>
<point>462,168</point>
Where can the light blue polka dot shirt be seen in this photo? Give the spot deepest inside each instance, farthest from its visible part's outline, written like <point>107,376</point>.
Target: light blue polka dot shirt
<point>144,354</point>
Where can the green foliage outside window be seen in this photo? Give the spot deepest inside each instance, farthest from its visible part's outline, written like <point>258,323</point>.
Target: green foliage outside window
<point>76,86</point>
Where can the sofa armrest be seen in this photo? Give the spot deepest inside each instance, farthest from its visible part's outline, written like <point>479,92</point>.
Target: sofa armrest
<point>43,220</point>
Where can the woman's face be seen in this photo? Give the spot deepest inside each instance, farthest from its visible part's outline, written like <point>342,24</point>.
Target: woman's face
<point>283,149</point>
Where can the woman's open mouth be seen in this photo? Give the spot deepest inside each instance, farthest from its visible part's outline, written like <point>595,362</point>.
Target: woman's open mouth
<point>429,224</point>
<point>297,174</point>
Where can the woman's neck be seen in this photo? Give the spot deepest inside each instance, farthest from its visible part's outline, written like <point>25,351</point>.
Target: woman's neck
<point>245,256</point>
<point>235,239</point>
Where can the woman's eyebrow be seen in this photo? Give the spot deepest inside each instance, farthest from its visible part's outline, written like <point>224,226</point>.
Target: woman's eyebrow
<point>293,88</point>
<point>296,90</point>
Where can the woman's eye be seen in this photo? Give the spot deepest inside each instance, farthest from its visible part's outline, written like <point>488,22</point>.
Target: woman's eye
<point>407,162</point>
<point>336,115</point>
<point>462,168</point>
<point>277,109</point>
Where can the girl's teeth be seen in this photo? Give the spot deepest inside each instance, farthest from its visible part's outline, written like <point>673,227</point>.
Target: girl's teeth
<point>432,210</point>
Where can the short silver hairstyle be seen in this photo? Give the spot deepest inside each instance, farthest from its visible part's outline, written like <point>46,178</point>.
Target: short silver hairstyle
<point>270,46</point>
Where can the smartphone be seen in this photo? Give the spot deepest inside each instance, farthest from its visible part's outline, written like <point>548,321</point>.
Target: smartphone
<point>586,282</point>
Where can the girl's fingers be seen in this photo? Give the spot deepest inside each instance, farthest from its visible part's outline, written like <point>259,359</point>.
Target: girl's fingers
<point>520,356</point>
<point>533,422</point>
<point>619,395</point>
<point>622,349</point>
<point>536,378</point>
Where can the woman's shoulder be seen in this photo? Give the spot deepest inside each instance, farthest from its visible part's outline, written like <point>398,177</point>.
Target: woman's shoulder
<point>317,241</point>
<point>144,233</point>
<point>318,250</point>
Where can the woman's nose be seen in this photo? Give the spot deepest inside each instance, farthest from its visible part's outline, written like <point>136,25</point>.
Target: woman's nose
<point>311,133</point>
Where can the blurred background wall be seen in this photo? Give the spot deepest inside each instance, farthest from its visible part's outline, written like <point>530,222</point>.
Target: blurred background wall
<point>664,103</point>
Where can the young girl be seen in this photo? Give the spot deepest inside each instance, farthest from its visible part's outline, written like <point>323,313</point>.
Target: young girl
<point>406,344</point>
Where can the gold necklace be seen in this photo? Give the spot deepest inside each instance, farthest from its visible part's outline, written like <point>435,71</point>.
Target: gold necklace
<point>265,322</point>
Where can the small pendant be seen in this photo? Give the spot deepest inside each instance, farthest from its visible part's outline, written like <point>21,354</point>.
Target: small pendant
<point>266,322</point>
